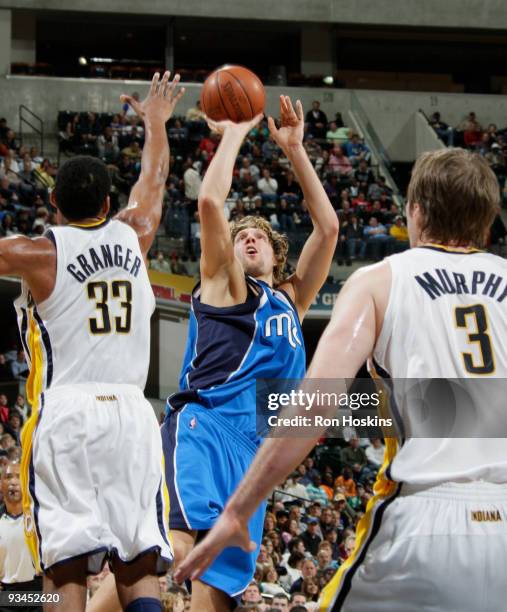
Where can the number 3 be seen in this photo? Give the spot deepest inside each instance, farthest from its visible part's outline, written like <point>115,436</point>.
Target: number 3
<point>478,311</point>
<point>103,326</point>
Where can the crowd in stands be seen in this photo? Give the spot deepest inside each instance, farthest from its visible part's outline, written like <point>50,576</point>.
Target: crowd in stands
<point>310,525</point>
<point>371,223</point>
<point>263,183</point>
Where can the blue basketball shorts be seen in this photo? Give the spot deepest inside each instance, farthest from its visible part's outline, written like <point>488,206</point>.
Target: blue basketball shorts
<point>205,460</point>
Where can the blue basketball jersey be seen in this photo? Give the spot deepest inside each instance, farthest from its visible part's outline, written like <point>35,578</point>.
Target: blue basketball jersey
<point>229,348</point>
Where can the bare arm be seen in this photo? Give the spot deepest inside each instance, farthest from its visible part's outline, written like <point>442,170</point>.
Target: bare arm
<point>221,273</point>
<point>33,259</point>
<point>315,260</point>
<point>144,208</point>
<point>346,343</point>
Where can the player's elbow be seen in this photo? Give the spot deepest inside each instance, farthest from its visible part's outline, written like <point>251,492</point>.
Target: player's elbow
<point>206,205</point>
<point>332,228</point>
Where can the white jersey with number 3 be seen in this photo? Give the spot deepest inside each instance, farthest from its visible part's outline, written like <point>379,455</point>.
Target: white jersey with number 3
<point>95,325</point>
<point>447,319</point>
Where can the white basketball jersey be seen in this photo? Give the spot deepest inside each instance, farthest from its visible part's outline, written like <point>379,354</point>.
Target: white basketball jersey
<point>95,325</point>
<point>447,319</point>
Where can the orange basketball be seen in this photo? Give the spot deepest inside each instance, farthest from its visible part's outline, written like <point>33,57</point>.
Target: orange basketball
<point>234,93</point>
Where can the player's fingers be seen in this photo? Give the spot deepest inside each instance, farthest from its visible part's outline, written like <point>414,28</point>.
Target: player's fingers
<point>283,105</point>
<point>271,126</point>
<point>171,85</point>
<point>299,110</point>
<point>154,84</point>
<point>179,95</point>
<point>290,109</point>
<point>163,83</point>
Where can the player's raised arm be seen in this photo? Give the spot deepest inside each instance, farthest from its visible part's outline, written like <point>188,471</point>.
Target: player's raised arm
<point>345,344</point>
<point>313,265</point>
<point>218,262</point>
<point>144,208</point>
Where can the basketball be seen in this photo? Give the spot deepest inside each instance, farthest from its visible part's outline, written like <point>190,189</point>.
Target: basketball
<point>234,93</point>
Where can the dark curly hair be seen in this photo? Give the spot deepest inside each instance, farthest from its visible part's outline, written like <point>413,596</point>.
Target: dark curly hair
<point>82,185</point>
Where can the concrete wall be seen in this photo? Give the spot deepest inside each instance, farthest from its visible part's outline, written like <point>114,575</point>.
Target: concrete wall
<point>487,14</point>
<point>47,95</point>
<point>390,112</point>
<point>5,41</point>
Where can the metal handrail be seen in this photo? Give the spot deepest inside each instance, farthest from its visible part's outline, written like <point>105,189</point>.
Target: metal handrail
<point>38,130</point>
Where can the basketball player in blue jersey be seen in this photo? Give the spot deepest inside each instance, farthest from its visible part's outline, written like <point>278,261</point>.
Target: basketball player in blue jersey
<point>93,486</point>
<point>434,311</point>
<point>244,325</point>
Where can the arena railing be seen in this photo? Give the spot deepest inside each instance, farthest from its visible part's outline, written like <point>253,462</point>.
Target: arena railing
<point>39,129</point>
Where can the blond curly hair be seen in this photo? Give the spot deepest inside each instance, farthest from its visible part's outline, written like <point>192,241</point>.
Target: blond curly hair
<point>278,241</point>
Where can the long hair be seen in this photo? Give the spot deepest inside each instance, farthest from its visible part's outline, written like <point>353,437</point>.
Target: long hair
<point>278,241</point>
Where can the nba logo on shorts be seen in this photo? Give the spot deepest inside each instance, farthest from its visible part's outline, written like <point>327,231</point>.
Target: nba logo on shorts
<point>193,423</point>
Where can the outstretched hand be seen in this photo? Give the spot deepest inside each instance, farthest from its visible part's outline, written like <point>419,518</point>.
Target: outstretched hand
<point>161,99</point>
<point>220,127</point>
<point>228,531</point>
<point>292,125</point>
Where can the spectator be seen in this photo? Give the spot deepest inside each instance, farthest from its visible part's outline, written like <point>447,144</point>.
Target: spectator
<point>107,145</point>
<point>346,484</point>
<point>356,246</point>
<point>377,236</point>
<point>356,150</point>
<point>289,188</point>
<point>248,168</point>
<point>178,133</point>
<point>280,602</point>
<point>297,600</point>
<point>311,539</point>
<point>399,232</point>
<point>316,121</point>
<point>337,134</point>
<point>21,407</point>
<point>160,263</point>
<point>353,453</point>
<point>133,151</point>
<point>177,267</point>
<point>310,589</point>
<point>339,163</point>
<point>19,367</point>
<point>252,594</point>
<point>308,570</point>
<point>442,129</point>
<point>270,583</point>
<point>4,408</point>
<point>472,130</point>
<point>14,425</point>
<point>267,185</point>
<point>315,493</point>
<point>375,453</point>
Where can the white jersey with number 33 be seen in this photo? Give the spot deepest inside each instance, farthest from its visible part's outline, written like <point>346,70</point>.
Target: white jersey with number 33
<point>447,319</point>
<point>95,326</point>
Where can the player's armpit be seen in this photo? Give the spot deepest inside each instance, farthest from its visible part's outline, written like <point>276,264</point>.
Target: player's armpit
<point>144,211</point>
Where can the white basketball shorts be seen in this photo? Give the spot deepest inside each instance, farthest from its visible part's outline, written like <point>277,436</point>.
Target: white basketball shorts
<point>95,478</point>
<point>442,549</point>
